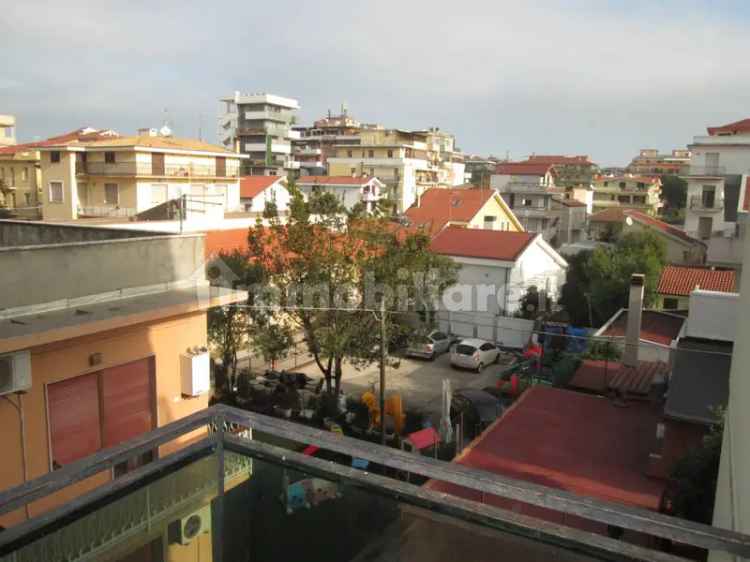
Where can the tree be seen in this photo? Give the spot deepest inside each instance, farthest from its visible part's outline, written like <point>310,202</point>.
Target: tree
<point>674,192</point>
<point>325,271</point>
<point>601,279</point>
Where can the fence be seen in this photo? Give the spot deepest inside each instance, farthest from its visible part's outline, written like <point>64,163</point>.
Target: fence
<point>504,330</point>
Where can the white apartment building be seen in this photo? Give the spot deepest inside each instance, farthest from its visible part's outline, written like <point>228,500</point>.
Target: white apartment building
<point>717,180</point>
<point>260,125</point>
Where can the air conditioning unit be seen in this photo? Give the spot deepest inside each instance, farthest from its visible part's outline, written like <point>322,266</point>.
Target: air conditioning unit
<point>195,372</point>
<point>186,530</point>
<point>15,372</point>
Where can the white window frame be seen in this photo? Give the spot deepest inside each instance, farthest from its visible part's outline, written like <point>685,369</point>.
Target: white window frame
<point>117,194</point>
<point>62,192</point>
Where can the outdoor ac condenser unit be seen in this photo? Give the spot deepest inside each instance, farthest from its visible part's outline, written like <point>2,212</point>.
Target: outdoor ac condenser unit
<point>195,370</point>
<point>187,529</point>
<point>15,372</point>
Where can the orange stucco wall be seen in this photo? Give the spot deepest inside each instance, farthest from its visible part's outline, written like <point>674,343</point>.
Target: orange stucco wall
<point>165,340</point>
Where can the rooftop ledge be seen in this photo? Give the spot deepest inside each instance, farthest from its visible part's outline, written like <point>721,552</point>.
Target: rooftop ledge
<point>62,320</point>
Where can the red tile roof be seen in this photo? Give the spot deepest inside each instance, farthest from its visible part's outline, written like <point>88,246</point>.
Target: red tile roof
<point>601,376</point>
<point>334,180</point>
<point>560,159</point>
<point>681,280</point>
<point>478,243</point>
<point>619,214</point>
<point>523,168</point>
<point>250,186</point>
<point>438,206</point>
<point>82,134</point>
<point>658,327</point>
<point>218,241</point>
<point>742,126</point>
<point>563,439</point>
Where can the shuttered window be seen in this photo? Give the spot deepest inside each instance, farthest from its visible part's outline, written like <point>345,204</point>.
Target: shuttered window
<point>126,400</point>
<point>74,423</point>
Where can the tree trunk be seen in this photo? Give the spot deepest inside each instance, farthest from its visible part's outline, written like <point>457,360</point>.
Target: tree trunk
<point>338,374</point>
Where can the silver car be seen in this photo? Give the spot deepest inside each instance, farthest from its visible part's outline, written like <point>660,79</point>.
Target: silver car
<point>429,346</point>
<point>473,353</point>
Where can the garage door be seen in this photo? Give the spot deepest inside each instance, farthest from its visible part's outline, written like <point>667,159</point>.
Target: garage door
<point>127,402</point>
<point>74,418</point>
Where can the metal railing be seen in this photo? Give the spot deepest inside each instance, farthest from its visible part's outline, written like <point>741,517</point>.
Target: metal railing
<point>702,203</point>
<point>124,169</point>
<point>114,211</point>
<point>709,171</point>
<point>224,422</point>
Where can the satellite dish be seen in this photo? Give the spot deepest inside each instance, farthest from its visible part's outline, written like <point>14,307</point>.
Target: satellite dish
<point>629,221</point>
<point>165,131</point>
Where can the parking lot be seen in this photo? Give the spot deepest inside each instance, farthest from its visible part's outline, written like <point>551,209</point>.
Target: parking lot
<point>418,381</point>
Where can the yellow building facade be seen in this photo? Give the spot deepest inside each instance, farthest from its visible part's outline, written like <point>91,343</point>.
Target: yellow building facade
<point>20,179</point>
<point>630,192</point>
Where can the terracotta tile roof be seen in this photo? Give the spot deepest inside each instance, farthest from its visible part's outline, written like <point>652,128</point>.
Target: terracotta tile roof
<point>334,180</point>
<point>619,214</point>
<point>601,376</point>
<point>478,243</point>
<point>657,327</point>
<point>250,186</point>
<point>166,143</point>
<point>523,168</point>
<point>438,206</point>
<point>83,134</point>
<point>560,159</point>
<point>742,126</point>
<point>681,280</point>
<point>218,241</point>
<point>577,455</point>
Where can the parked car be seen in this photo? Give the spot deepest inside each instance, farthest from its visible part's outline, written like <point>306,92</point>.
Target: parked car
<point>430,346</point>
<point>473,353</point>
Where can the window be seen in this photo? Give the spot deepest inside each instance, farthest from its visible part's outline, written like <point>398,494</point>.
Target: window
<point>371,154</point>
<point>25,174</point>
<point>55,192</point>
<point>54,156</point>
<point>28,198</point>
<point>8,132</point>
<point>670,304</point>
<point>489,222</point>
<point>158,194</point>
<point>111,194</point>
<point>13,176</point>
<point>622,185</point>
<point>354,171</point>
<point>2,173</point>
<point>349,153</point>
<point>606,183</point>
<point>641,184</point>
<point>109,157</point>
<point>390,153</point>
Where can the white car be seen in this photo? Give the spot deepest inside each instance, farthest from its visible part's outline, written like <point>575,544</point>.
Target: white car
<point>473,353</point>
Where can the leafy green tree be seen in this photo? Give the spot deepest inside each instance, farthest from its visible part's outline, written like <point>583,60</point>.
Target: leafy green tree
<point>603,276</point>
<point>325,271</point>
<point>674,192</point>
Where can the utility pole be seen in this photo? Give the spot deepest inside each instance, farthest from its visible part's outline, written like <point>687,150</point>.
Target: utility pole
<point>383,355</point>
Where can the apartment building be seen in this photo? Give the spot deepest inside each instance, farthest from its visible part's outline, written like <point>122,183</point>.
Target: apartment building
<point>317,143</point>
<point>478,169</point>
<point>570,171</point>
<point>7,130</point>
<point>407,162</point>
<point>260,126</point>
<point>642,193</point>
<point>104,174</point>
<point>716,180</point>
<point>528,188</point>
<point>20,179</point>
<point>651,162</point>
<point>103,337</point>
<point>350,191</point>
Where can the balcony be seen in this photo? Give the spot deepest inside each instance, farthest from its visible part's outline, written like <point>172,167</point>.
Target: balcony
<point>244,490</point>
<point>704,171</point>
<point>706,204</point>
<point>525,187</point>
<point>307,151</point>
<point>277,147</point>
<point>266,115</point>
<point>112,212</point>
<point>136,169</point>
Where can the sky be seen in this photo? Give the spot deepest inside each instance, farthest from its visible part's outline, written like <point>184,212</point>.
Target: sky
<point>597,77</point>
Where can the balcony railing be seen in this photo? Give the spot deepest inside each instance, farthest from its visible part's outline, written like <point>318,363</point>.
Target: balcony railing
<point>372,511</point>
<point>708,204</point>
<point>125,169</point>
<point>704,171</point>
<point>114,212</point>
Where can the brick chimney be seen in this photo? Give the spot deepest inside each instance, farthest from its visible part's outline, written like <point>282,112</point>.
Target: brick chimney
<point>633,328</point>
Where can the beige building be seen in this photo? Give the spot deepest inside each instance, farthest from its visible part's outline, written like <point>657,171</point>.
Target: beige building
<point>7,130</point>
<point>115,176</point>
<point>20,179</point>
<point>407,162</point>
<point>642,193</point>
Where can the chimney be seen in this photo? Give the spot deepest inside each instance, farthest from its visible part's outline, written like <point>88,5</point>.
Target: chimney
<point>635,312</point>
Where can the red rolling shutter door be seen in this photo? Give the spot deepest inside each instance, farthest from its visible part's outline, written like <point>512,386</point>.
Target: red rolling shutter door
<point>127,401</point>
<point>74,418</point>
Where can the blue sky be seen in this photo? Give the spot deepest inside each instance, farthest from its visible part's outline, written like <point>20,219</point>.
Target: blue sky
<point>576,77</point>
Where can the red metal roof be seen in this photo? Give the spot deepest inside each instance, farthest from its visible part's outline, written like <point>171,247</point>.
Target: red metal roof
<point>250,186</point>
<point>334,180</point>
<point>571,441</point>
<point>437,207</point>
<point>658,327</point>
<point>619,214</point>
<point>742,126</point>
<point>602,376</point>
<point>523,168</point>
<point>478,243</point>
<point>681,280</point>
